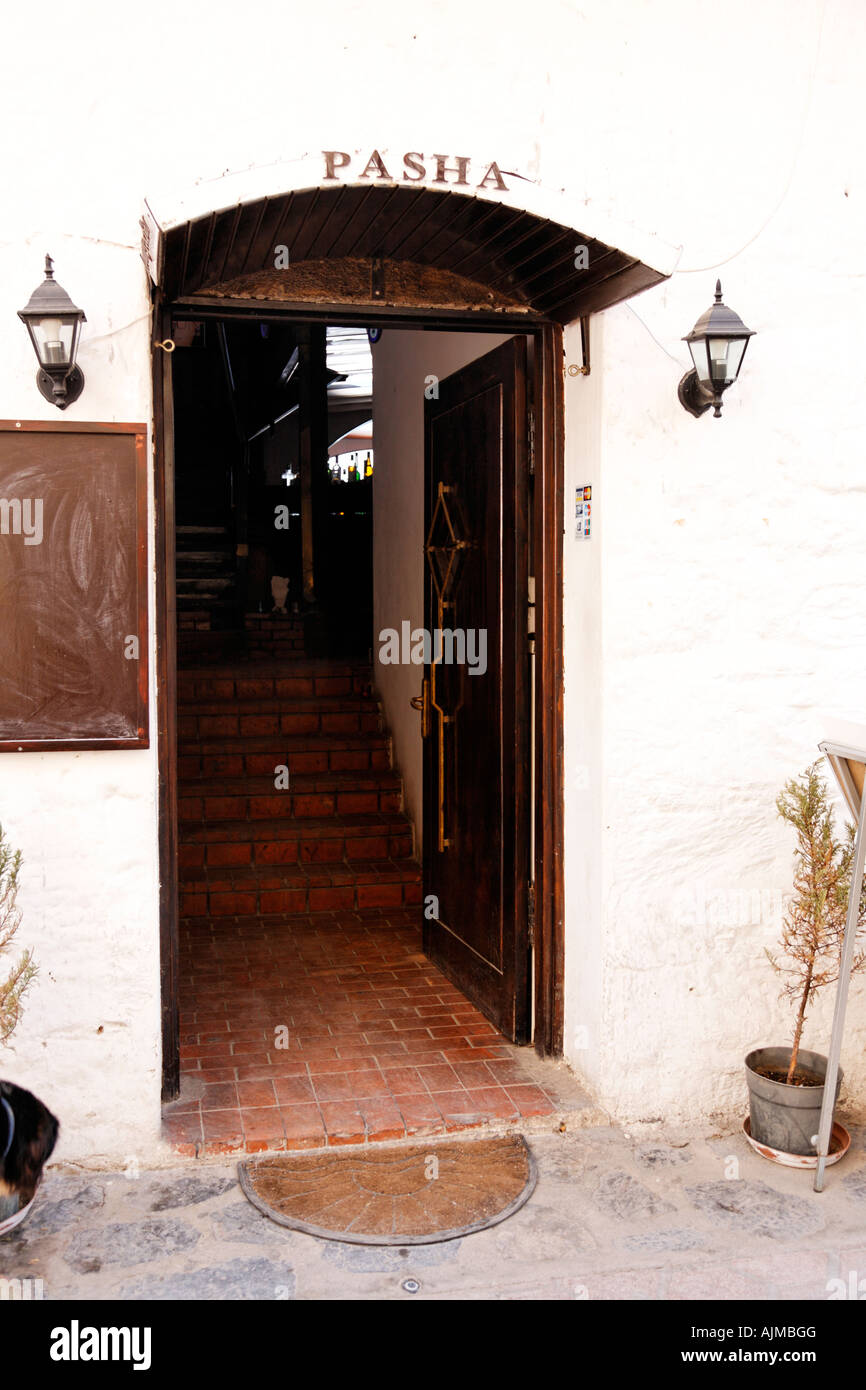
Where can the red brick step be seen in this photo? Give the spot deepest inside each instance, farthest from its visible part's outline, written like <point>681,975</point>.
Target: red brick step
<point>260,757</point>
<point>308,795</point>
<point>335,839</point>
<point>300,888</point>
<point>289,841</point>
<point>298,680</point>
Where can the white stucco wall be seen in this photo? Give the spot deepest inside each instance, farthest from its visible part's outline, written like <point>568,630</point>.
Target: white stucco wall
<point>732,629</point>
<point>719,609</point>
<point>583,747</point>
<point>402,363</point>
<point>86,823</point>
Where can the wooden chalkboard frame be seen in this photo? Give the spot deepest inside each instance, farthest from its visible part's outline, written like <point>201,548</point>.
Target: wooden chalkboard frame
<point>138,717</point>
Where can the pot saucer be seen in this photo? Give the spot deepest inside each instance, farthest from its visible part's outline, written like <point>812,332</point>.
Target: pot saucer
<point>840,1143</point>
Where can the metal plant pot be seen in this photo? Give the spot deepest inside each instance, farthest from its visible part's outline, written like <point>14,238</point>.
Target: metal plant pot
<point>780,1116</point>
<point>12,1213</point>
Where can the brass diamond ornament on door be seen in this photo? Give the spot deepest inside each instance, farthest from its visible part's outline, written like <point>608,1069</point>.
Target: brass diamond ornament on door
<point>445,549</point>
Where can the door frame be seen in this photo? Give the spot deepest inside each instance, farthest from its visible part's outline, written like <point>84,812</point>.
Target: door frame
<point>545,369</point>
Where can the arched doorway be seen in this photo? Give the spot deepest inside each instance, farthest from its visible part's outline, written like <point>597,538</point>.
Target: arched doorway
<point>431,261</point>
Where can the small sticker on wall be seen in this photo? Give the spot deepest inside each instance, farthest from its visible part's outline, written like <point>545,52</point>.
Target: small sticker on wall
<point>583,513</point>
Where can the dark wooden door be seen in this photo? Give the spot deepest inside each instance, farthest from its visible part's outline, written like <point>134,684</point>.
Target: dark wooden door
<point>476,748</point>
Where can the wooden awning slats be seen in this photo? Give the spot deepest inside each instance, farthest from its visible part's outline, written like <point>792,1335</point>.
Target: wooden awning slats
<point>518,257</point>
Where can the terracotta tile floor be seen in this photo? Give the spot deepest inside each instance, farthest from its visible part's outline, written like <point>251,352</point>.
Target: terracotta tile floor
<point>301,1031</point>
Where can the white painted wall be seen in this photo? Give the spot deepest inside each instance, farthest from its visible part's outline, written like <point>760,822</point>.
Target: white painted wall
<point>733,626</point>
<point>86,823</point>
<point>720,609</point>
<point>583,748</point>
<point>402,362</point>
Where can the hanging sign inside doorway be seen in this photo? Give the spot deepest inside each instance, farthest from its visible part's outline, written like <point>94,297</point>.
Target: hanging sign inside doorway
<point>583,513</point>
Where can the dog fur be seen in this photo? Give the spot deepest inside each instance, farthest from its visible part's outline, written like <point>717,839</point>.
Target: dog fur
<point>33,1141</point>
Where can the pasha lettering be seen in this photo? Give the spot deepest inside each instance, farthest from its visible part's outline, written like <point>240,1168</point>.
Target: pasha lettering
<point>413,168</point>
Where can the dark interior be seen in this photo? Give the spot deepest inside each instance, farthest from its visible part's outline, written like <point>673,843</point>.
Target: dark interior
<point>247,397</point>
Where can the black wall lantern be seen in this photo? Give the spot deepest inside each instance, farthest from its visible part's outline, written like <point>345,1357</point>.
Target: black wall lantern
<point>718,345</point>
<point>54,325</point>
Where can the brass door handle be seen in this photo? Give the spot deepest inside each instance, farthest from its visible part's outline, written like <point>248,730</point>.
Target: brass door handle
<point>422,702</point>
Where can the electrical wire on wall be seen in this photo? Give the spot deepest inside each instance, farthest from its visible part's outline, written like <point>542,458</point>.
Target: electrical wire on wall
<point>807,107</point>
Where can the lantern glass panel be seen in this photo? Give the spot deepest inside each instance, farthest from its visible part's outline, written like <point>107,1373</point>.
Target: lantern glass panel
<point>718,348</point>
<point>55,339</point>
<point>698,349</point>
<point>735,356</point>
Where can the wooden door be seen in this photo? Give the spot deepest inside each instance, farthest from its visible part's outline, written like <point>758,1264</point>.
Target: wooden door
<point>476,751</point>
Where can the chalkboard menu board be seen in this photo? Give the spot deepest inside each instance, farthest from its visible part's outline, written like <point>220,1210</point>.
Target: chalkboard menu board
<point>73,586</point>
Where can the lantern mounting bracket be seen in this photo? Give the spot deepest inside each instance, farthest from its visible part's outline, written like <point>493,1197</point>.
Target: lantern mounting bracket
<point>692,395</point>
<point>73,385</point>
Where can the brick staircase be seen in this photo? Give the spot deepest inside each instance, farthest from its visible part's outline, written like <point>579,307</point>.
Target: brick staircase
<point>277,636</point>
<point>205,579</point>
<point>335,838</point>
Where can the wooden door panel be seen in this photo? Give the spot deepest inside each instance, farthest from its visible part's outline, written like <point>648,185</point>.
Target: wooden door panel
<point>475,776</point>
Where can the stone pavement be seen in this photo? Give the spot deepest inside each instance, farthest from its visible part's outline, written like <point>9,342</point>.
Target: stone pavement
<point>612,1217</point>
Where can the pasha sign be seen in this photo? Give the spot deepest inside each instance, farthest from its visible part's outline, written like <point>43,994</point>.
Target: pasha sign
<point>317,169</point>
<point>414,167</point>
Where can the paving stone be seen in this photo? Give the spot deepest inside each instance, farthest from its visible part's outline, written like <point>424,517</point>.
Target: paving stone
<point>540,1233</point>
<point>127,1243</point>
<point>629,1199</point>
<point>378,1259</point>
<point>779,1273</point>
<point>725,1145</point>
<point>548,1291</point>
<point>855,1184</point>
<point>655,1156</point>
<point>50,1217</point>
<point>718,1281</point>
<point>755,1207</point>
<point>242,1222</point>
<point>627,1284</point>
<point>238,1280</point>
<point>74,1200</point>
<point>187,1192</point>
<point>678,1238</point>
<point>572,1157</point>
<point>858,1134</point>
<point>55,1185</point>
<point>13,1250</point>
<point>842,1263</point>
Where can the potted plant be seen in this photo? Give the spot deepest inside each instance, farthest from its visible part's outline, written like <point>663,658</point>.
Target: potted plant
<point>12,990</point>
<point>786,1084</point>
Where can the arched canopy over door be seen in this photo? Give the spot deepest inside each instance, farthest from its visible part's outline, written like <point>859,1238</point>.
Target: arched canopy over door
<point>396,248</point>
